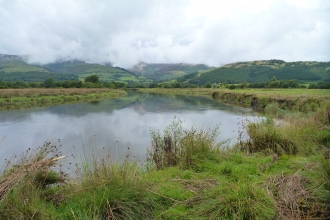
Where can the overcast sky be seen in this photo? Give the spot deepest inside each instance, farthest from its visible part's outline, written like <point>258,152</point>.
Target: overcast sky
<point>125,32</point>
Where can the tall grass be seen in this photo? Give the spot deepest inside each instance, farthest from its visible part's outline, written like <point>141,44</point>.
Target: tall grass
<point>100,189</point>
<point>27,183</point>
<point>285,132</point>
<point>180,147</point>
<point>107,189</point>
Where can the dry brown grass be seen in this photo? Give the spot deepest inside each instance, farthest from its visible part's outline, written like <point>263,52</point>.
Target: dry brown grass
<point>33,166</point>
<point>293,200</point>
<point>289,192</point>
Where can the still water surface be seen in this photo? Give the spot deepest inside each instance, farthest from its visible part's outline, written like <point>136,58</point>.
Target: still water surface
<point>119,123</point>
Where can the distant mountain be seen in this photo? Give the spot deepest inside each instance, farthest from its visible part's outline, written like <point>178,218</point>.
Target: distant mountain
<point>262,71</point>
<point>105,72</point>
<point>15,68</point>
<point>165,71</point>
<point>6,57</point>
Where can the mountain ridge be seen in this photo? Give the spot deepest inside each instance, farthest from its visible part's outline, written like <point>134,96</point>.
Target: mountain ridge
<point>166,71</point>
<point>15,68</point>
<point>262,71</point>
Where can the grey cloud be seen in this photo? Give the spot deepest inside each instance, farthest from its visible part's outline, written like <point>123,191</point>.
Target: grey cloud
<point>125,32</point>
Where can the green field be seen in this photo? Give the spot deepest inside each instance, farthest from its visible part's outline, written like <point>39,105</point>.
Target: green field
<point>321,93</point>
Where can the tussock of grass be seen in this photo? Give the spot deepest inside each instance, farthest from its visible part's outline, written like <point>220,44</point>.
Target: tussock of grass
<point>110,191</point>
<point>182,147</point>
<point>26,182</point>
<point>267,136</point>
<point>291,134</point>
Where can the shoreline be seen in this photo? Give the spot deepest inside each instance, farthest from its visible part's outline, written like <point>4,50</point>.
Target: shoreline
<point>26,98</point>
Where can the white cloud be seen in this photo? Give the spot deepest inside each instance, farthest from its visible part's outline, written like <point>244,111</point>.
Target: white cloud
<point>125,32</point>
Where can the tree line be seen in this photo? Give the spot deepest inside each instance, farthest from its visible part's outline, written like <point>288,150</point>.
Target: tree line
<point>274,83</point>
<point>92,81</point>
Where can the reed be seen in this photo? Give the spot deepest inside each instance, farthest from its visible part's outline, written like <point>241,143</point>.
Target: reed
<point>27,182</point>
<point>106,189</point>
<point>180,147</point>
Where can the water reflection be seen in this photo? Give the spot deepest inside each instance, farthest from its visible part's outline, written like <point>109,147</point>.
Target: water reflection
<point>119,123</point>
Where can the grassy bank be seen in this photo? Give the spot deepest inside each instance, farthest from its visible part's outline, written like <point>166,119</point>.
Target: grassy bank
<point>319,93</point>
<point>18,98</point>
<point>281,171</point>
<point>302,100</point>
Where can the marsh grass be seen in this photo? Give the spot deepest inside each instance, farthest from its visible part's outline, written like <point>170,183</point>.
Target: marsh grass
<point>180,147</point>
<point>16,98</point>
<point>32,188</point>
<point>27,181</point>
<point>291,133</point>
<point>107,190</point>
<point>266,136</point>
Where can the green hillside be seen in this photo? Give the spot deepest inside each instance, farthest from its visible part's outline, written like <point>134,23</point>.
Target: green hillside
<point>16,66</point>
<point>13,68</point>
<point>164,71</point>
<point>106,73</point>
<point>262,71</point>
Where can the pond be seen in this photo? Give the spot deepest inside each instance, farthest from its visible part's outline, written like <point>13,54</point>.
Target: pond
<point>119,123</point>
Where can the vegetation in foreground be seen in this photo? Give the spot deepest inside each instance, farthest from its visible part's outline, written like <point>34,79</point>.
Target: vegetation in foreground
<point>17,98</point>
<point>279,171</point>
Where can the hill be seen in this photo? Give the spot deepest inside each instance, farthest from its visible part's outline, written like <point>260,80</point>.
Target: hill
<point>262,71</point>
<point>106,73</point>
<point>14,68</point>
<point>165,71</point>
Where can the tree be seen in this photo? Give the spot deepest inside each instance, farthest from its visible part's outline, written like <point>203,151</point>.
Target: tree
<point>208,85</point>
<point>177,85</point>
<point>92,79</point>
<point>274,83</point>
<point>3,85</point>
<point>49,83</point>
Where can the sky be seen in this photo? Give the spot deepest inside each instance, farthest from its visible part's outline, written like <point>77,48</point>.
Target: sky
<point>125,32</point>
